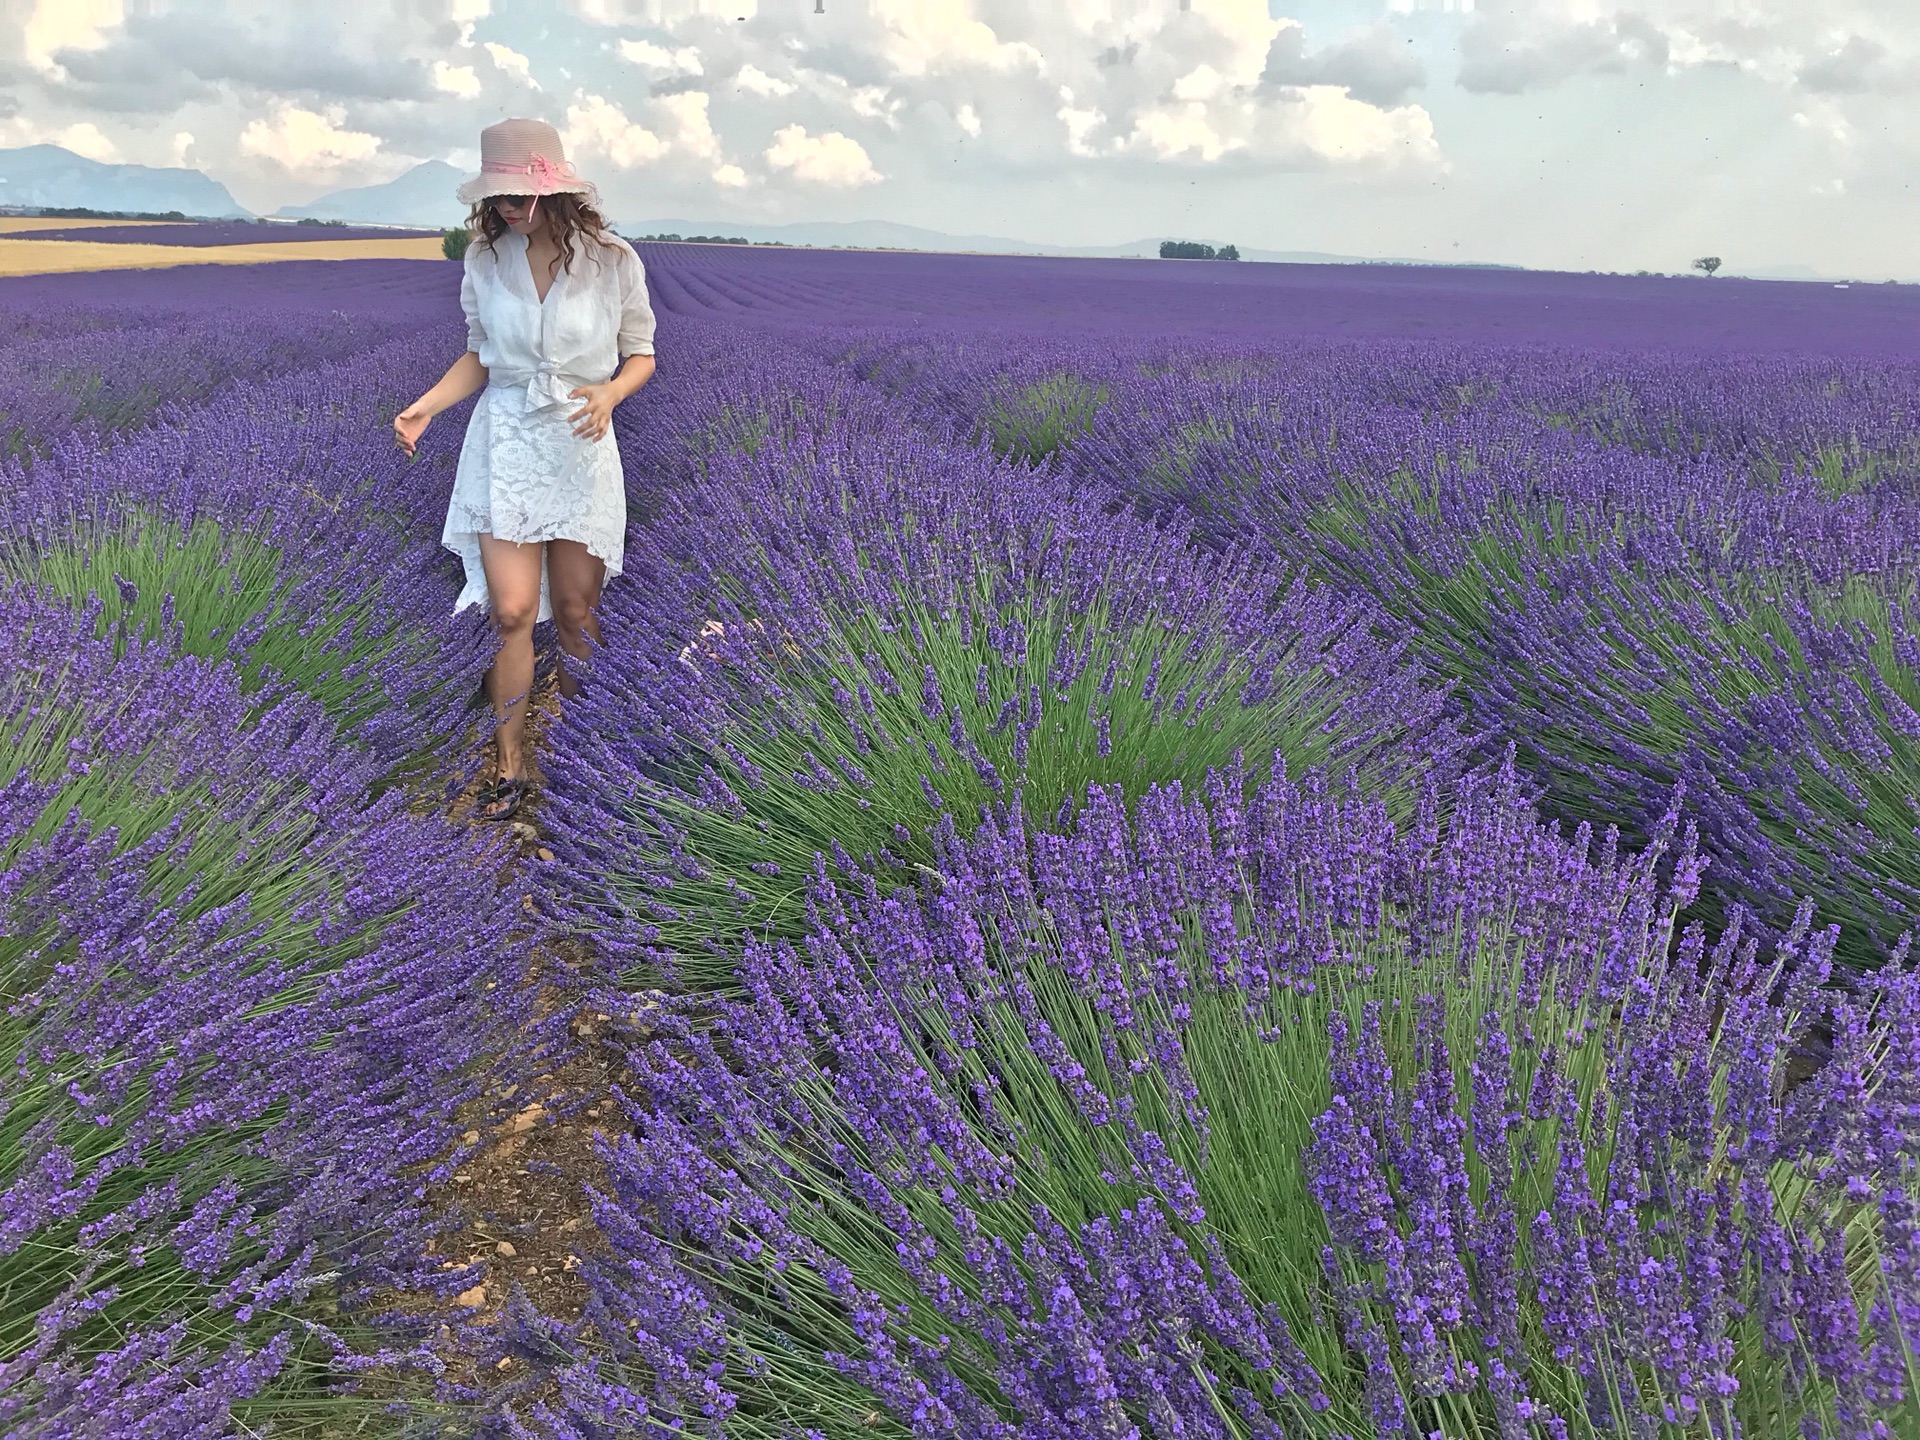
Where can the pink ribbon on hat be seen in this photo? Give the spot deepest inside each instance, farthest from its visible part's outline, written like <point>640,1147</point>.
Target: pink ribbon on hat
<point>541,170</point>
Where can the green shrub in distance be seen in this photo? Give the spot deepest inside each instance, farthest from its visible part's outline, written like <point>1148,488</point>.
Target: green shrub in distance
<point>453,244</point>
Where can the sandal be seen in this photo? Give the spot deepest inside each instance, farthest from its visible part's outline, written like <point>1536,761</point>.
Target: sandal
<point>501,792</point>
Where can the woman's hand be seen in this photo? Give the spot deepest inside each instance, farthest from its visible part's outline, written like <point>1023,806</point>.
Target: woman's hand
<point>591,420</point>
<point>409,425</point>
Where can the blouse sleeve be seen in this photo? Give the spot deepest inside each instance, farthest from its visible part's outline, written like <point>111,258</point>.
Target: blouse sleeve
<point>636,314</point>
<point>470,303</point>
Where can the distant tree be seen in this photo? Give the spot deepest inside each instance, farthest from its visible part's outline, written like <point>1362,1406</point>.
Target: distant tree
<point>1185,250</point>
<point>453,244</point>
<point>1707,264</point>
<point>1228,252</point>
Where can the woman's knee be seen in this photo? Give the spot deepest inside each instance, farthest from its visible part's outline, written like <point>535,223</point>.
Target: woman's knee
<point>513,613</point>
<point>572,609</point>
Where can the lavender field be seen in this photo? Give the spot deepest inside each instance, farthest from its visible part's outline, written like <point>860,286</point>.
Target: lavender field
<point>1155,849</point>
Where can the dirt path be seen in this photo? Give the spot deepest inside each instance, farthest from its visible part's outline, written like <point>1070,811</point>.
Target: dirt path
<point>521,1202</point>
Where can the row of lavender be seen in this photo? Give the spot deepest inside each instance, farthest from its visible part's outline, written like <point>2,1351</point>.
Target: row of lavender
<point>1113,989</point>
<point>84,356</point>
<point>1646,573</point>
<point>250,976</point>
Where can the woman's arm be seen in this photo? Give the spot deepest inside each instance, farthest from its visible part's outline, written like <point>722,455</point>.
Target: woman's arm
<point>634,372</point>
<point>591,420</point>
<point>463,377</point>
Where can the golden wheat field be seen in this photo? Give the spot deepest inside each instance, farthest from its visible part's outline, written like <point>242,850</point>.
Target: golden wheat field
<point>47,257</point>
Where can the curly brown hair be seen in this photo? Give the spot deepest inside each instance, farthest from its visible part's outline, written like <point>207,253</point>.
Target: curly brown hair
<point>569,215</point>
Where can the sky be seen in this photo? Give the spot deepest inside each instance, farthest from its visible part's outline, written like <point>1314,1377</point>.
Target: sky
<point>1566,134</point>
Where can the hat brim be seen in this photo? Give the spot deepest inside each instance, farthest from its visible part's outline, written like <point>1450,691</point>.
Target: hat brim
<point>481,187</point>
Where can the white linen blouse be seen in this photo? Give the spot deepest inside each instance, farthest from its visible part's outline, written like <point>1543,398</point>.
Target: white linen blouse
<point>523,474</point>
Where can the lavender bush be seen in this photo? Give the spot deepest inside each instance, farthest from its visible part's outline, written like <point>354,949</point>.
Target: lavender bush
<point>248,985</point>
<point>273,527</point>
<point>849,632</point>
<point>1789,708</point>
<point>1257,1117</point>
<point>244,1000</point>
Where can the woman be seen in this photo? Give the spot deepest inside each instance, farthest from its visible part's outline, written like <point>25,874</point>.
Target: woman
<point>554,302</point>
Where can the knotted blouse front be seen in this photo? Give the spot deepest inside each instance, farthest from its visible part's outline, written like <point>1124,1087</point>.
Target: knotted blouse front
<point>594,316</point>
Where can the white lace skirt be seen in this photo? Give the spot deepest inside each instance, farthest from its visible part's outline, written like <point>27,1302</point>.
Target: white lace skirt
<point>526,477</point>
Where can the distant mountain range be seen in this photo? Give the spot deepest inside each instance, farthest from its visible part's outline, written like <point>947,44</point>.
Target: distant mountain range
<point>48,175</point>
<point>423,197</point>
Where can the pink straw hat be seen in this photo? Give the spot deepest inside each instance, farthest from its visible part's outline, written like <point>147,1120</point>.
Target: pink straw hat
<point>522,157</point>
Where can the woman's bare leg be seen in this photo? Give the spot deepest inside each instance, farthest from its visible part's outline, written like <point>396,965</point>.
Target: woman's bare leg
<point>513,583</point>
<point>574,577</point>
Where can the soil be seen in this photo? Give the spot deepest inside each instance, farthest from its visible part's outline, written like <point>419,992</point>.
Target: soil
<point>522,1199</point>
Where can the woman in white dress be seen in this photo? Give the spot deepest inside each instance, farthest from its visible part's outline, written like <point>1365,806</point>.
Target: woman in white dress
<point>554,303</point>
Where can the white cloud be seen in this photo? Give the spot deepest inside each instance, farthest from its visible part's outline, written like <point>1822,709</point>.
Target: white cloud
<point>1306,125</point>
<point>86,138</point>
<point>756,81</point>
<point>1081,122</point>
<point>304,140</point>
<point>872,102</point>
<point>665,13</point>
<point>1536,44</point>
<point>182,143</point>
<point>599,12</point>
<point>1336,127</point>
<point>1172,131</point>
<point>1827,120</point>
<point>692,127</point>
<point>511,62</point>
<point>674,130</point>
<point>597,126</point>
<point>968,119</point>
<point>57,25</point>
<point>830,159</point>
<point>456,79</point>
<point>1202,83</point>
<point>1376,65</point>
<point>465,13</point>
<point>684,61</point>
<point>918,36</point>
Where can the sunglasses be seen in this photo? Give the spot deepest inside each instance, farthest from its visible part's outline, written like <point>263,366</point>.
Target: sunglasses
<point>518,202</point>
